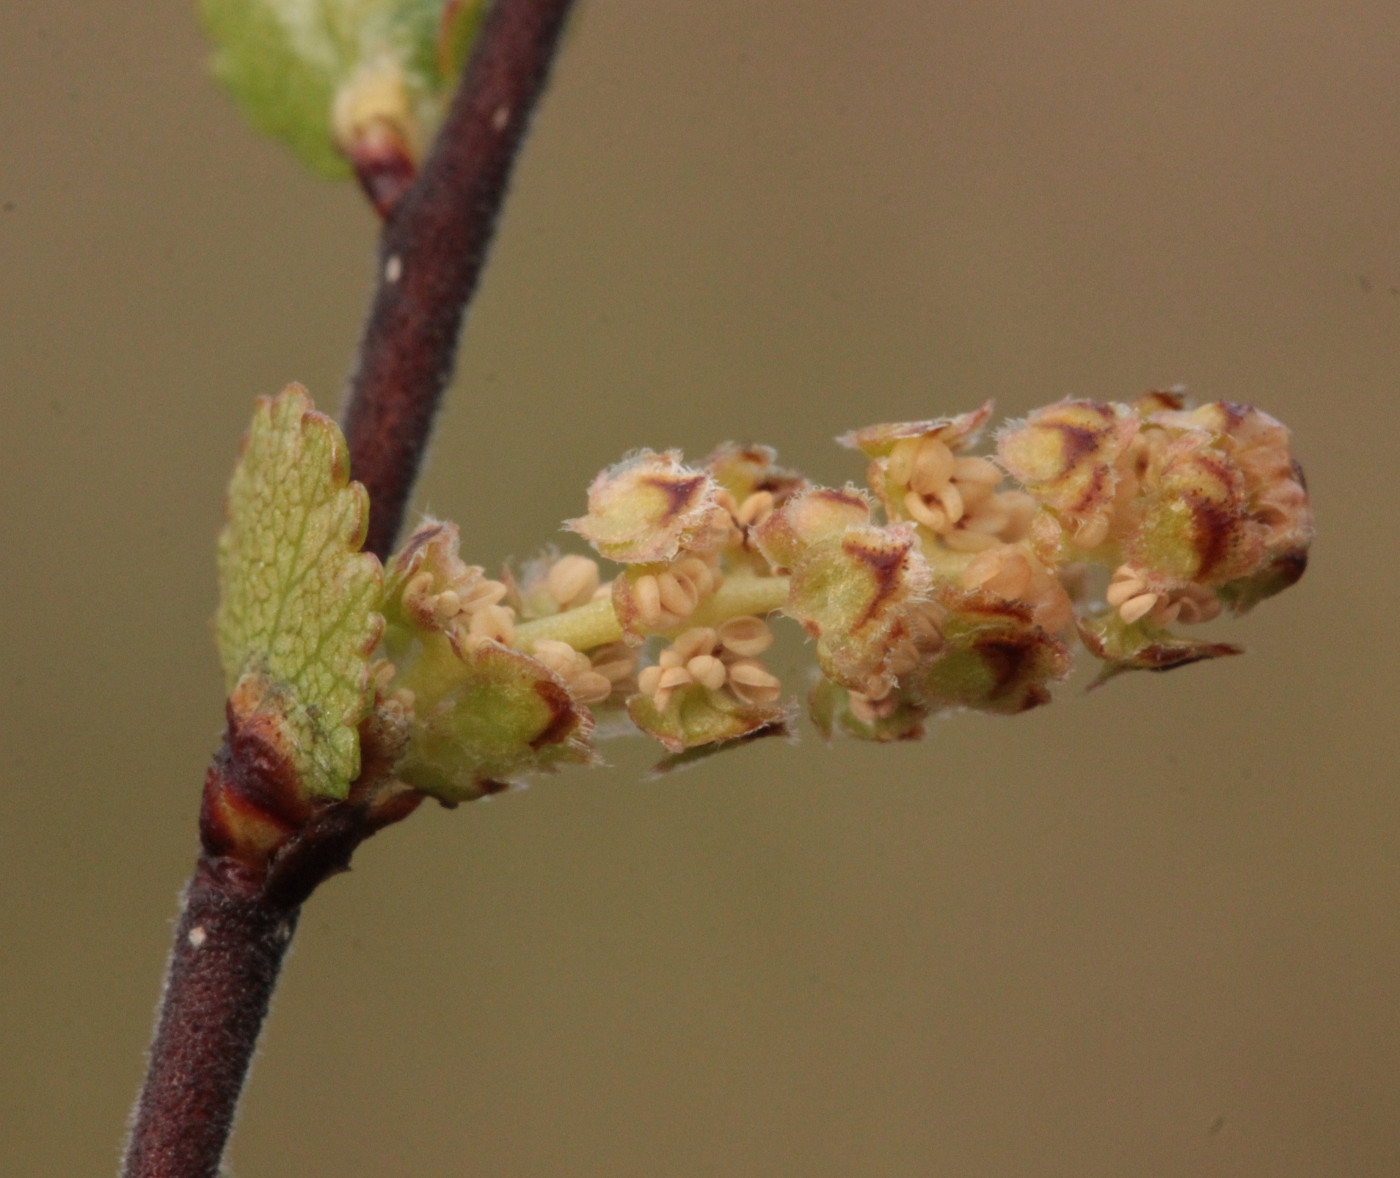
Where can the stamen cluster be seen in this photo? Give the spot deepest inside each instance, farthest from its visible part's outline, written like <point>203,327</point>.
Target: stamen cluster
<point>944,586</point>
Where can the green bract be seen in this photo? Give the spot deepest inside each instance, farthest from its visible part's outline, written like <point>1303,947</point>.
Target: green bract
<point>481,713</point>
<point>298,607</point>
<point>694,717</point>
<point>1141,646</point>
<point>288,61</point>
<point>497,713</point>
<point>648,508</point>
<point>993,658</point>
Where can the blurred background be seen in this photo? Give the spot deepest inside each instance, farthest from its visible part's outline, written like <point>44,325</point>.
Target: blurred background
<point>1149,930</point>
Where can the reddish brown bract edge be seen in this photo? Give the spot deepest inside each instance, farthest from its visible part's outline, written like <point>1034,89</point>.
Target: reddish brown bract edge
<point>385,170</point>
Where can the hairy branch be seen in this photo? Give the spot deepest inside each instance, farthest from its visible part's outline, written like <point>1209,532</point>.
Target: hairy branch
<point>228,951</point>
<point>432,254</point>
<point>237,918</point>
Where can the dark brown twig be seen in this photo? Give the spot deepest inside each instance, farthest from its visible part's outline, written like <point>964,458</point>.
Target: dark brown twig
<point>241,906</point>
<point>264,849</point>
<point>228,952</point>
<point>432,253</point>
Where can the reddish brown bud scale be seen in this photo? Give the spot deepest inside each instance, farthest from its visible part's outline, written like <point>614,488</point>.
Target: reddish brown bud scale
<point>254,799</point>
<point>383,166</point>
<point>650,508</point>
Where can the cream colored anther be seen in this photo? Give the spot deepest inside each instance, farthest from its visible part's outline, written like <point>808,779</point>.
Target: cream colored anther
<point>1197,604</point>
<point>981,472</point>
<point>932,467</point>
<point>665,599</point>
<point>952,501</point>
<point>647,595</point>
<point>1126,583</point>
<point>1137,607</point>
<point>755,509</point>
<point>695,641</point>
<point>615,661</point>
<point>481,591</point>
<point>676,596</point>
<point>493,621</point>
<point>583,682</point>
<point>1092,532</point>
<point>572,580</point>
<point>697,574</point>
<point>753,683</point>
<point>707,670</point>
<point>661,683</point>
<point>929,514</point>
<point>746,636</point>
<point>967,540</point>
<point>673,677</point>
<point>1003,571</point>
<point>871,711</point>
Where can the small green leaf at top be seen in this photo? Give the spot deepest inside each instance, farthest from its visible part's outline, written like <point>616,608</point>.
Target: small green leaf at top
<point>299,602</point>
<point>312,72</point>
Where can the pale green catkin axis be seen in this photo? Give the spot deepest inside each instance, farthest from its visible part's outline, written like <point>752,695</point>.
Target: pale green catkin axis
<point>595,624</point>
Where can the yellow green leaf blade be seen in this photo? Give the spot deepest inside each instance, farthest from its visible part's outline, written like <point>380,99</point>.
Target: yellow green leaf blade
<point>299,603</point>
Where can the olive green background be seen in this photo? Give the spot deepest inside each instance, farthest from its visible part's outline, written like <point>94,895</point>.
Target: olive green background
<point>1146,931</point>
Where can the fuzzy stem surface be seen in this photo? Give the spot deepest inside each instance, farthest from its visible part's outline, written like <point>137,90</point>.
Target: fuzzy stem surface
<point>235,926</point>
<point>431,256</point>
<point>228,952</point>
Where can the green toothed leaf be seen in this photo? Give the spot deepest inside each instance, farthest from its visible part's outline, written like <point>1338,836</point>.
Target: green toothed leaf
<point>298,609</point>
